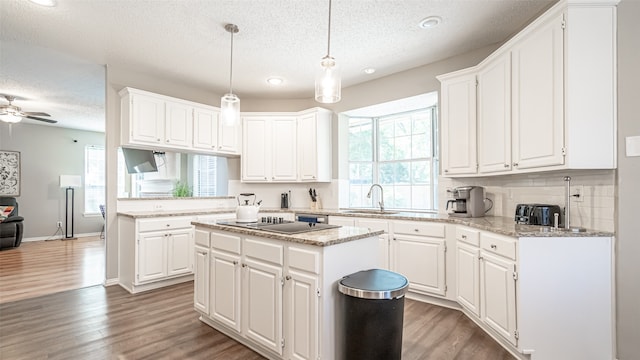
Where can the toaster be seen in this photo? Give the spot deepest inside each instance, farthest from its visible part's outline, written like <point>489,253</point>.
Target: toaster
<point>538,214</point>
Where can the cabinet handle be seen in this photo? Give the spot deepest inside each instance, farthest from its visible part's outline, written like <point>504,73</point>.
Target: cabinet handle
<point>235,262</point>
<point>445,170</point>
<point>288,277</point>
<point>515,164</point>
<point>158,139</point>
<point>167,140</point>
<point>394,238</point>
<point>168,225</point>
<point>480,258</point>
<point>506,165</point>
<point>494,246</point>
<point>464,236</point>
<point>416,230</point>
<point>244,265</point>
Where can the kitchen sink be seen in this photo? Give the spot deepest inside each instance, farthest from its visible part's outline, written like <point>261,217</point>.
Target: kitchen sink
<point>369,211</point>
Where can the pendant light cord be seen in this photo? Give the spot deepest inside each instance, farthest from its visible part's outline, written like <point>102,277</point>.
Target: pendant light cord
<point>231,66</point>
<point>329,32</point>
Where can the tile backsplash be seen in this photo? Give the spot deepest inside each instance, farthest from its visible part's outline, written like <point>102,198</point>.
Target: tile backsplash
<point>595,209</point>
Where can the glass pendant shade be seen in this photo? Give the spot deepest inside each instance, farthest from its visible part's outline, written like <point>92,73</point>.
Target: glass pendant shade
<point>10,118</point>
<point>230,109</point>
<point>328,86</point>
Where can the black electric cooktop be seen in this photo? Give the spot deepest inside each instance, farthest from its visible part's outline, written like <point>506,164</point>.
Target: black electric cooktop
<point>285,227</point>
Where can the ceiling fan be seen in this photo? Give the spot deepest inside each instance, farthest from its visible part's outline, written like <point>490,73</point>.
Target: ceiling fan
<point>13,114</point>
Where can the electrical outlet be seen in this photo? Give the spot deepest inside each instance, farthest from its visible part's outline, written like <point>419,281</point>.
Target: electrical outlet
<point>59,224</point>
<point>577,192</point>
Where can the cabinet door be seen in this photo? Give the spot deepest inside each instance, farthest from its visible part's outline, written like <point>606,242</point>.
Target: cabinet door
<point>179,252</point>
<point>383,243</point>
<point>256,151</point>
<point>229,138</point>
<point>302,317</point>
<point>468,277</point>
<point>224,296</point>
<point>178,124</point>
<point>147,122</point>
<point>459,154</point>
<point>308,147</point>
<point>538,100</point>
<point>494,115</point>
<point>201,280</point>
<point>152,256</point>
<point>205,129</point>
<point>422,261</point>
<point>342,220</point>
<point>263,304</point>
<point>498,295</point>
<point>284,149</point>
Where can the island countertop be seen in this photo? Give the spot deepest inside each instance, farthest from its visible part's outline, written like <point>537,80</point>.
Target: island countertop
<point>325,237</point>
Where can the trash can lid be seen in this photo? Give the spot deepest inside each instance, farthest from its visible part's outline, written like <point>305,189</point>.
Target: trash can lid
<point>374,284</point>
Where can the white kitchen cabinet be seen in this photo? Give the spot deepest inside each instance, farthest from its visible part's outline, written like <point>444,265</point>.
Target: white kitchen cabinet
<point>458,109</point>
<point>229,138</point>
<point>468,269</point>
<point>384,243</point>
<point>178,124</point>
<point>269,148</point>
<point>418,252</point>
<point>154,252</point>
<point>287,147</point>
<point>498,295</point>
<point>205,129</point>
<point>143,118</point>
<point>538,96</point>
<point>314,145</point>
<point>342,220</point>
<point>201,271</point>
<point>494,115</point>
<point>225,280</point>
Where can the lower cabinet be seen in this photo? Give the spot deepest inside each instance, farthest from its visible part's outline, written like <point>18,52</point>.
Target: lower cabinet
<point>201,278</point>
<point>154,252</point>
<point>498,295</point>
<point>418,252</point>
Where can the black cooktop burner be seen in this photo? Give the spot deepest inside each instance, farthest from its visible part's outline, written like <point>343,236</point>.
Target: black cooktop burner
<point>285,227</point>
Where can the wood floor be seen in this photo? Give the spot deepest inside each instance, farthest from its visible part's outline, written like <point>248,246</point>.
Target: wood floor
<point>46,267</point>
<point>109,323</point>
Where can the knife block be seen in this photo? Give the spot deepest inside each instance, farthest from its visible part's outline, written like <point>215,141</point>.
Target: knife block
<point>316,205</point>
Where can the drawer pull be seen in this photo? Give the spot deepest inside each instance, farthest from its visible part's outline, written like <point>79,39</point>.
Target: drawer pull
<point>494,246</point>
<point>288,277</point>
<point>244,265</point>
<point>464,236</point>
<point>235,262</point>
<point>168,225</point>
<point>416,230</point>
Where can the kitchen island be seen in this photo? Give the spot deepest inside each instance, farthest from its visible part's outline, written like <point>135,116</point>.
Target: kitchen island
<point>277,293</point>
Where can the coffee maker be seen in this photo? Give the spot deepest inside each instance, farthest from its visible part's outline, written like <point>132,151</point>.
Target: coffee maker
<point>468,201</point>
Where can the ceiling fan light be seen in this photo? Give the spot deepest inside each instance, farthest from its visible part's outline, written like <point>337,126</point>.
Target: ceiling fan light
<point>230,109</point>
<point>10,118</point>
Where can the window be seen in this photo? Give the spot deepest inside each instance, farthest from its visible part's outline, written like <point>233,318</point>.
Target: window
<point>94,178</point>
<point>204,175</point>
<point>397,152</point>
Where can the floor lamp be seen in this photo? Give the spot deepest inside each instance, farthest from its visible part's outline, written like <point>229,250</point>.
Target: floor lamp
<point>69,182</point>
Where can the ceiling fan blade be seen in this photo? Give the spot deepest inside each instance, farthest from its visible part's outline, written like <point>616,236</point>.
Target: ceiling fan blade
<point>50,121</point>
<point>30,113</point>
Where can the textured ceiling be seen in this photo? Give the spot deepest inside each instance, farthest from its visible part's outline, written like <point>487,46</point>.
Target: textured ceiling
<point>185,41</point>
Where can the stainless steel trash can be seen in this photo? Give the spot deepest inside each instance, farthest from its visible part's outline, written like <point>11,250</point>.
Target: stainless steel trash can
<point>372,309</point>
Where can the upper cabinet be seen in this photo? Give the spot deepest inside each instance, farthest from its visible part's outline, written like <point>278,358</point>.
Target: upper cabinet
<point>287,147</point>
<point>458,107</point>
<point>160,122</point>
<point>545,100</point>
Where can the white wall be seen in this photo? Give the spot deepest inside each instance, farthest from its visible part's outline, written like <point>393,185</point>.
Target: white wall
<point>628,224</point>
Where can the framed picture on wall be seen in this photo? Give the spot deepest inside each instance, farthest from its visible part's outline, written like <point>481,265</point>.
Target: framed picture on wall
<point>9,173</point>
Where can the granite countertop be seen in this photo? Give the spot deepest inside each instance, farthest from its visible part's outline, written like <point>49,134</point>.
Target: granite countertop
<point>498,224</point>
<point>317,238</point>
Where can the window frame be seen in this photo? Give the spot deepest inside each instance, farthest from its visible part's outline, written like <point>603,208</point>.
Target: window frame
<point>88,185</point>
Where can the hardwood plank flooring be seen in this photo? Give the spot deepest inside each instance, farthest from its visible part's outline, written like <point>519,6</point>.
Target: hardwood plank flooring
<point>44,267</point>
<point>109,323</point>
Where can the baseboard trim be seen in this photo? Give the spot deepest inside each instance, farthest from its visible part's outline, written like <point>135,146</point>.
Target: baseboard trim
<point>110,282</point>
<point>58,237</point>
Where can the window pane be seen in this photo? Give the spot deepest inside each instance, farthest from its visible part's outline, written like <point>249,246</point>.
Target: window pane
<point>94,178</point>
<point>403,148</point>
<point>402,173</point>
<point>420,172</point>
<point>360,140</point>
<point>204,175</point>
<point>402,126</point>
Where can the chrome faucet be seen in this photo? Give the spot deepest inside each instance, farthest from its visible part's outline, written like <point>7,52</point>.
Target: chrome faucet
<point>381,203</point>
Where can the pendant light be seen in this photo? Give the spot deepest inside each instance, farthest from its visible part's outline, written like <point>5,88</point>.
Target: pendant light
<point>328,76</point>
<point>230,103</point>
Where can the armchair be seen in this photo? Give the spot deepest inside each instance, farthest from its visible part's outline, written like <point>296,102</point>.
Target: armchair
<point>11,227</point>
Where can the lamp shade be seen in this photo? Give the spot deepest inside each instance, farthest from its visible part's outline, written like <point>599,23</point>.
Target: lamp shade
<point>10,118</point>
<point>67,181</point>
<point>230,109</point>
<point>328,87</point>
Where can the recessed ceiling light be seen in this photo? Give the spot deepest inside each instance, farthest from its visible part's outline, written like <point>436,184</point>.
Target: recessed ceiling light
<point>430,22</point>
<point>49,3</point>
<point>369,71</point>
<point>275,81</point>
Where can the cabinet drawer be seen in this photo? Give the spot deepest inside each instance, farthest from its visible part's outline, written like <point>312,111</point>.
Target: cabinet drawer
<point>470,236</point>
<point>418,228</point>
<point>165,223</point>
<point>373,225</point>
<point>302,259</point>
<point>228,243</point>
<point>498,244</point>
<point>262,250</point>
<point>202,238</point>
